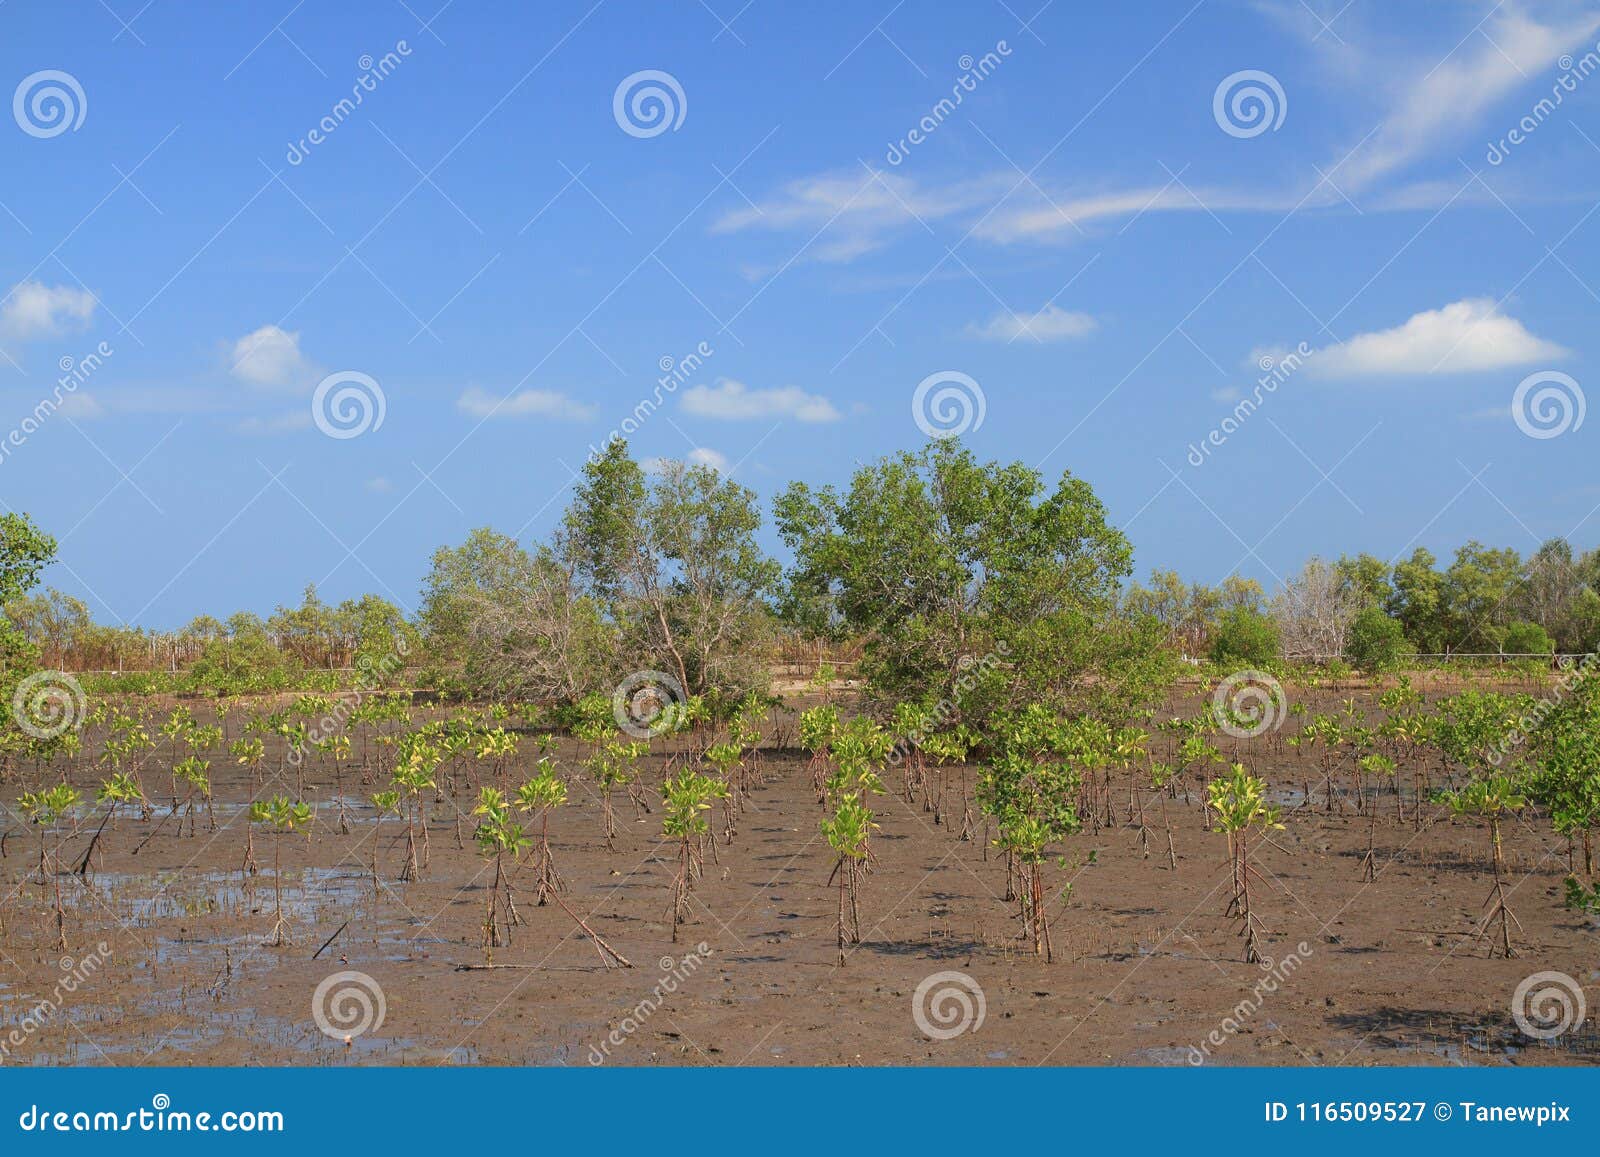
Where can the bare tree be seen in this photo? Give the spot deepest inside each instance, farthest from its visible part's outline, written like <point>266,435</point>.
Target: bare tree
<point>1314,611</point>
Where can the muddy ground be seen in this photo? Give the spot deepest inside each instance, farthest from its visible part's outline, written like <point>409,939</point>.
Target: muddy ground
<point>1149,971</point>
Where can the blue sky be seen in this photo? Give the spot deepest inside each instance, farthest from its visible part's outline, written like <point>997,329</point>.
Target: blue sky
<point>1096,236</point>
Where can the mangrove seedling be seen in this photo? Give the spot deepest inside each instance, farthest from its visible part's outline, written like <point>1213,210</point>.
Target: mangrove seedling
<point>285,818</point>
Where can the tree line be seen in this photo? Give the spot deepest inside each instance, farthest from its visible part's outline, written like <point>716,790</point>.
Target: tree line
<point>930,563</point>
<point>1487,601</point>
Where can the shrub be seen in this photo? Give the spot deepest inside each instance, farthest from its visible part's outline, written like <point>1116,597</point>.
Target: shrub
<point>1377,642</point>
<point>1244,636</point>
<point>1524,638</point>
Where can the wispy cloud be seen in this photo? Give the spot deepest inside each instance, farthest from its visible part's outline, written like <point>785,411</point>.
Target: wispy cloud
<point>699,456</point>
<point>277,424</point>
<point>82,407</point>
<point>481,403</point>
<point>1052,323</point>
<point>1442,96</point>
<point>735,402</point>
<point>1500,55</point>
<point>857,212</point>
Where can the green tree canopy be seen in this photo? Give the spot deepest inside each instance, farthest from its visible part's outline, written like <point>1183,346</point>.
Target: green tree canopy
<point>938,560</point>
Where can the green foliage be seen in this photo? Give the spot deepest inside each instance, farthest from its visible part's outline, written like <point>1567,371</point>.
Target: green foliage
<point>545,791</point>
<point>120,787</point>
<point>1523,638</point>
<point>675,564</point>
<point>1376,642</point>
<point>498,831</point>
<point>1563,753</point>
<point>386,803</point>
<point>859,750</point>
<point>1245,638</point>
<point>1474,729</point>
<point>951,567</point>
<point>249,663</point>
<point>686,797</point>
<point>1030,784</point>
<point>25,550</point>
<point>1239,802</point>
<point>819,727</point>
<point>282,813</point>
<point>49,805</point>
<point>1488,798</point>
<point>1579,898</point>
<point>499,620</point>
<point>849,829</point>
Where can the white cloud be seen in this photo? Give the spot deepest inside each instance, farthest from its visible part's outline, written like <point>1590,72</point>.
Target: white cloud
<point>735,402</point>
<point>35,310</point>
<point>1450,97</point>
<point>1462,337</point>
<point>699,456</point>
<point>1052,323</point>
<point>278,424</point>
<point>481,403</point>
<point>1427,101</point>
<point>705,456</point>
<point>852,213</point>
<point>270,357</point>
<point>81,407</point>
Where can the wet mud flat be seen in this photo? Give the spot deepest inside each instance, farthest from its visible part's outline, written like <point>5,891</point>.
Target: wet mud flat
<point>169,960</point>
